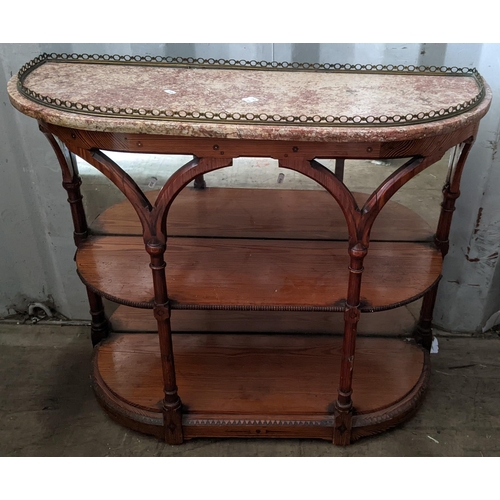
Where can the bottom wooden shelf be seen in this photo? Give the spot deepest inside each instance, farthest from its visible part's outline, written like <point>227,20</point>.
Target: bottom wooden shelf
<point>259,385</point>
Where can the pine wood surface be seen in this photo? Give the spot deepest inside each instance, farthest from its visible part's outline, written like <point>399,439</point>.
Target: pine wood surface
<point>259,213</point>
<point>258,375</point>
<point>393,322</point>
<point>221,272</point>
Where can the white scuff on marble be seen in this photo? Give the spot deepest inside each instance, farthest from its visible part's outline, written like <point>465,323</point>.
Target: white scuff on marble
<point>250,99</point>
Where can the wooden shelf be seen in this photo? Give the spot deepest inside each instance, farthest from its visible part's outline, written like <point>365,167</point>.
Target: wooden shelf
<point>259,213</point>
<point>251,379</point>
<point>211,273</point>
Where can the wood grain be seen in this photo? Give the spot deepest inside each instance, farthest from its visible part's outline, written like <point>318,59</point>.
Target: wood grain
<point>219,272</point>
<point>348,148</point>
<point>262,376</point>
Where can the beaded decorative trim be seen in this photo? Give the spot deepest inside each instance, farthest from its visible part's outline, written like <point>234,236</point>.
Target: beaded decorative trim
<point>249,118</point>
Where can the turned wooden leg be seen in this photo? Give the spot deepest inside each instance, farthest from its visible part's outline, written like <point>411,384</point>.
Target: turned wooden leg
<point>339,168</point>
<point>199,182</point>
<point>172,406</point>
<point>343,405</point>
<point>451,191</point>
<point>99,329</point>
<point>423,332</point>
<point>71,182</point>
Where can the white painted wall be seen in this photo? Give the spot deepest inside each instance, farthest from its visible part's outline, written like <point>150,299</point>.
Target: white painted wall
<point>36,249</point>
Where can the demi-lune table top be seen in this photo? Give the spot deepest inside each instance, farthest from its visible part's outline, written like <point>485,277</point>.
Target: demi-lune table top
<point>248,100</point>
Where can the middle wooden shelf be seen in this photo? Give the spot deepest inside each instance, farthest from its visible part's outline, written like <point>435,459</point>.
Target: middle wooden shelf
<point>250,274</point>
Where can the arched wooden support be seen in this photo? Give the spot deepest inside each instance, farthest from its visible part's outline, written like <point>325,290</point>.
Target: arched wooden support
<point>358,249</point>
<point>388,188</point>
<point>122,181</point>
<point>156,240</point>
<point>314,170</point>
<point>71,182</point>
<point>153,221</point>
<point>99,329</point>
<point>180,179</point>
<point>451,191</point>
<point>327,179</point>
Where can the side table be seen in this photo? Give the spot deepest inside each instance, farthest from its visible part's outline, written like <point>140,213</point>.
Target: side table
<point>236,251</point>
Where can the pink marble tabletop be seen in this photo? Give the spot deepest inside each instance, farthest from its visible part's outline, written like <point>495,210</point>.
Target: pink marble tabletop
<point>252,104</point>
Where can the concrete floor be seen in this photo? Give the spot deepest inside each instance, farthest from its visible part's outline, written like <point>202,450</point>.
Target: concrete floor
<point>48,408</point>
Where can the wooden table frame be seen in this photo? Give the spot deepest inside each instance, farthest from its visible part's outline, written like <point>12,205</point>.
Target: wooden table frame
<point>303,157</point>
